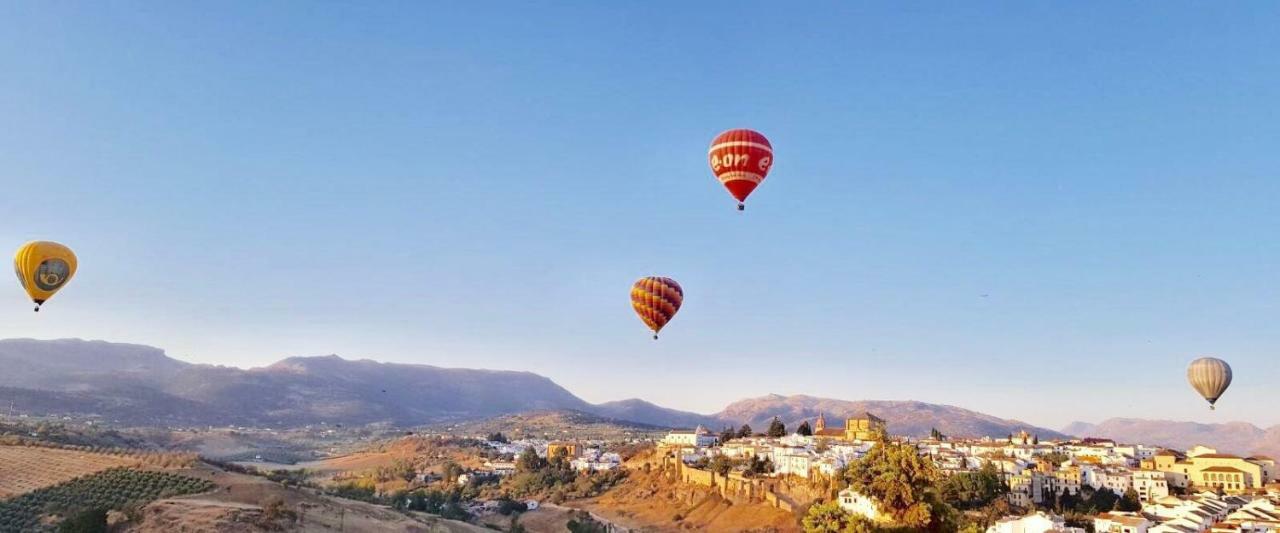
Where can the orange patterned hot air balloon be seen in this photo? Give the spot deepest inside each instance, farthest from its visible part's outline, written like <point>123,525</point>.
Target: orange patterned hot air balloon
<point>740,159</point>
<point>656,300</point>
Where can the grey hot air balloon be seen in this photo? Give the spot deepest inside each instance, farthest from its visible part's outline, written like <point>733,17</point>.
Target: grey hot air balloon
<point>1210,377</point>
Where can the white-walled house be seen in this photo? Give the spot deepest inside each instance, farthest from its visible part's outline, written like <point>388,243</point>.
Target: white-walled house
<point>859,505</point>
<point>1150,484</point>
<point>1120,523</point>
<point>697,438</point>
<point>1038,522</point>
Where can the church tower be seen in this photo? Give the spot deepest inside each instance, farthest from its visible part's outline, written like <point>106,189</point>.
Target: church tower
<point>820,424</point>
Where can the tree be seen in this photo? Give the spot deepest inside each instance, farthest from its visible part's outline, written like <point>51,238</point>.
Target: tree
<point>936,435</point>
<point>804,429</point>
<point>777,428</point>
<point>826,518</point>
<point>530,461</point>
<point>90,521</point>
<point>902,483</point>
<point>497,437</point>
<point>728,434</point>
<point>971,490</point>
<point>744,431</point>
<point>720,465</point>
<point>1130,501</point>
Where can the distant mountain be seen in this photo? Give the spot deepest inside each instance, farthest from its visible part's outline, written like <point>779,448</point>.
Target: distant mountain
<point>903,418</point>
<point>140,385</point>
<point>637,410</point>
<point>1231,437</point>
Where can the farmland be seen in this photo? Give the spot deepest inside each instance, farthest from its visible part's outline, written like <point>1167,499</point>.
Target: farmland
<point>113,488</point>
<point>27,468</point>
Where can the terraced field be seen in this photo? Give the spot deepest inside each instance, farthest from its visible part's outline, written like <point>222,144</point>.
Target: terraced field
<point>24,469</point>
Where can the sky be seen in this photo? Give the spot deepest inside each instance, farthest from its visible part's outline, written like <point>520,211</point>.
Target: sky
<point>1036,210</point>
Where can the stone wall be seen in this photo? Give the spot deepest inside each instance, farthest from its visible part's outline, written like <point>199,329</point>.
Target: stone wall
<point>733,487</point>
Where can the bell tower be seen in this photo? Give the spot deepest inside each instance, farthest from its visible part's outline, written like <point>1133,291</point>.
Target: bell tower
<point>820,424</point>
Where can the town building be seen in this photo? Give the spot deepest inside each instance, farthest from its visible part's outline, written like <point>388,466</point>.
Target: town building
<point>863,426</point>
<point>698,437</point>
<point>1037,522</point>
<point>1120,523</point>
<point>562,448</point>
<point>856,504</point>
<point>1150,485</point>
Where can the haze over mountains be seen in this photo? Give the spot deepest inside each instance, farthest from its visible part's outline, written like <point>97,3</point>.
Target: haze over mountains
<point>140,385</point>
<point>1231,437</point>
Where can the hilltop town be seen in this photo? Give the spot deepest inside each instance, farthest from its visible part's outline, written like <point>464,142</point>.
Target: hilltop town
<point>1036,485</point>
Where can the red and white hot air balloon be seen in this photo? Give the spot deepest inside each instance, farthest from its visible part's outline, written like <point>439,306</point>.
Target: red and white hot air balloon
<point>740,159</point>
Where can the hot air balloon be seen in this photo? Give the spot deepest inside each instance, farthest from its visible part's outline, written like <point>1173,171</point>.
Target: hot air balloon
<point>1210,377</point>
<point>656,300</point>
<point>740,159</point>
<point>43,267</point>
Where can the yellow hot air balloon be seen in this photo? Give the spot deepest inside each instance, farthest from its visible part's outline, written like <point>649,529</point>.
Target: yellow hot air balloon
<point>1210,377</point>
<point>43,267</point>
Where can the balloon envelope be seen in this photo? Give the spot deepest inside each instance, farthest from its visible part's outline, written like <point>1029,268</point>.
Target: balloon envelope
<point>740,159</point>
<point>656,299</point>
<point>1210,377</point>
<point>44,267</point>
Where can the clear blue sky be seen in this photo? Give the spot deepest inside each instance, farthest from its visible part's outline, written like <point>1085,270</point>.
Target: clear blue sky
<point>478,185</point>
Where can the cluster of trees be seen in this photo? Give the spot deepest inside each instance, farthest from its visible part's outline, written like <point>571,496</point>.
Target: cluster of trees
<point>449,503</point>
<point>398,469</point>
<point>115,488</point>
<point>776,429</point>
<point>913,495</point>
<point>1054,458</point>
<point>298,478</point>
<point>497,437</point>
<point>741,433</point>
<point>751,466</point>
<point>904,484</point>
<point>556,479</point>
<point>1090,501</point>
<point>974,490</point>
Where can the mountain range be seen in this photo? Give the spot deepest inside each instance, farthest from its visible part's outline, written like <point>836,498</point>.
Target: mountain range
<point>132,384</point>
<point>1231,437</point>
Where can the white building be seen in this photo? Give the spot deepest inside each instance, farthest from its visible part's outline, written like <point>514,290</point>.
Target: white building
<point>858,505</point>
<point>1038,522</point>
<point>1116,480</point>
<point>501,468</point>
<point>1150,484</point>
<point>698,438</point>
<point>1120,523</point>
<point>1197,512</point>
<point>793,461</point>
